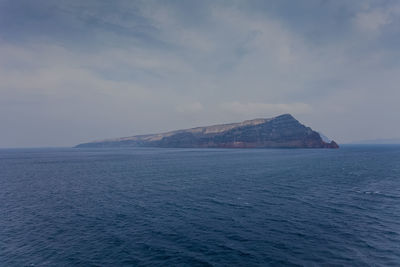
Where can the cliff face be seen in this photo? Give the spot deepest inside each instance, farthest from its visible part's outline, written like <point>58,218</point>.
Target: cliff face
<point>279,132</point>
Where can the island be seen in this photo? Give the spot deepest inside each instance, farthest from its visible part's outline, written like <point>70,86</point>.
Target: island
<point>283,131</point>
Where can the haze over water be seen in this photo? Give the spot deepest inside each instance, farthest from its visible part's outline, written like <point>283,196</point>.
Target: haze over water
<point>140,206</point>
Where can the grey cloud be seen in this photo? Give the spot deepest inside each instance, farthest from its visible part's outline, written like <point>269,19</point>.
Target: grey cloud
<point>73,71</point>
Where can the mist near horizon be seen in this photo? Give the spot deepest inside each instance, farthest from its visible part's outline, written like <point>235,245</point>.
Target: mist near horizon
<point>74,71</point>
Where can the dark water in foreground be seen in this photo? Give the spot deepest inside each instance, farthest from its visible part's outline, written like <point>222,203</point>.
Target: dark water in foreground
<point>109,207</point>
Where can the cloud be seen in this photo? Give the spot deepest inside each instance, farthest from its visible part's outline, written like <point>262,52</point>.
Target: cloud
<point>252,108</point>
<point>372,19</point>
<point>132,67</point>
<point>190,107</point>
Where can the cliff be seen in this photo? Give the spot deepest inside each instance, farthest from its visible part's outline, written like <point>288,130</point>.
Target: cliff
<point>283,131</point>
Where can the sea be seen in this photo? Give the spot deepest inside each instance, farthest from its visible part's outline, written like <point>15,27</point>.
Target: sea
<point>200,207</point>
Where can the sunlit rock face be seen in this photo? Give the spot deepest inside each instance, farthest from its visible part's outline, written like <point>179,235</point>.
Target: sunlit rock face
<point>283,131</point>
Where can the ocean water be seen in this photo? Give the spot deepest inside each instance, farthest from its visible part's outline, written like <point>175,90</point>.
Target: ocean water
<point>200,207</point>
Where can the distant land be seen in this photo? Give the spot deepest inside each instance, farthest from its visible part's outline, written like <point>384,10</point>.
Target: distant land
<point>283,131</point>
<point>392,141</point>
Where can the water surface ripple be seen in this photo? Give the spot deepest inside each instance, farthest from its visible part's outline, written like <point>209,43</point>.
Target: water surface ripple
<point>200,207</point>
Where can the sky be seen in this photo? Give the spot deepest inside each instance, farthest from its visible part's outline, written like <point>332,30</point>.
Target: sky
<point>76,71</point>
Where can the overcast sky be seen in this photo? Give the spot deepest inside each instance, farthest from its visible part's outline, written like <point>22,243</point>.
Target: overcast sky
<point>74,71</point>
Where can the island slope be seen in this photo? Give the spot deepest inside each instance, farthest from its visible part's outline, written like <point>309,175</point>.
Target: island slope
<point>283,131</point>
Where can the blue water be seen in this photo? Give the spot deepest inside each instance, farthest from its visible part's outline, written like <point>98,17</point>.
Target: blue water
<point>221,207</point>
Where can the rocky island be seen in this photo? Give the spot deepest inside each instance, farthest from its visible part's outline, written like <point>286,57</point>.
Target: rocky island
<point>283,131</point>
